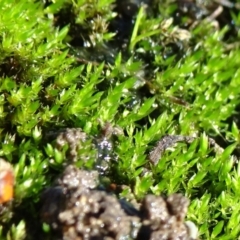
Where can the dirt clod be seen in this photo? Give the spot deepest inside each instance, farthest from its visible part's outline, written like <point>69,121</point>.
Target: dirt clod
<point>78,209</point>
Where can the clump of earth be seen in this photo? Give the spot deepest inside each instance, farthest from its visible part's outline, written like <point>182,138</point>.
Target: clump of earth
<point>77,207</point>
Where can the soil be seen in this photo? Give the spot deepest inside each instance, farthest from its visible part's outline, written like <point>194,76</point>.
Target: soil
<point>77,208</point>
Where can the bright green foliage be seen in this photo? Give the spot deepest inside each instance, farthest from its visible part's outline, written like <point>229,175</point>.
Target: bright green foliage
<point>47,84</point>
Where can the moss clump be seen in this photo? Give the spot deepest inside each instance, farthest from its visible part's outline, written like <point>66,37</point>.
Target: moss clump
<point>150,69</point>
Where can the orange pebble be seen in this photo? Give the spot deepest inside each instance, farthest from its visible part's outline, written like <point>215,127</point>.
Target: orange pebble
<point>6,181</point>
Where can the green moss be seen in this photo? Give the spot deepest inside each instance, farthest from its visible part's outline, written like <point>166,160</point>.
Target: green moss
<point>165,80</point>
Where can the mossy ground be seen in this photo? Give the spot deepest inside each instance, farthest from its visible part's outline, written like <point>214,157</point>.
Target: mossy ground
<point>156,68</point>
